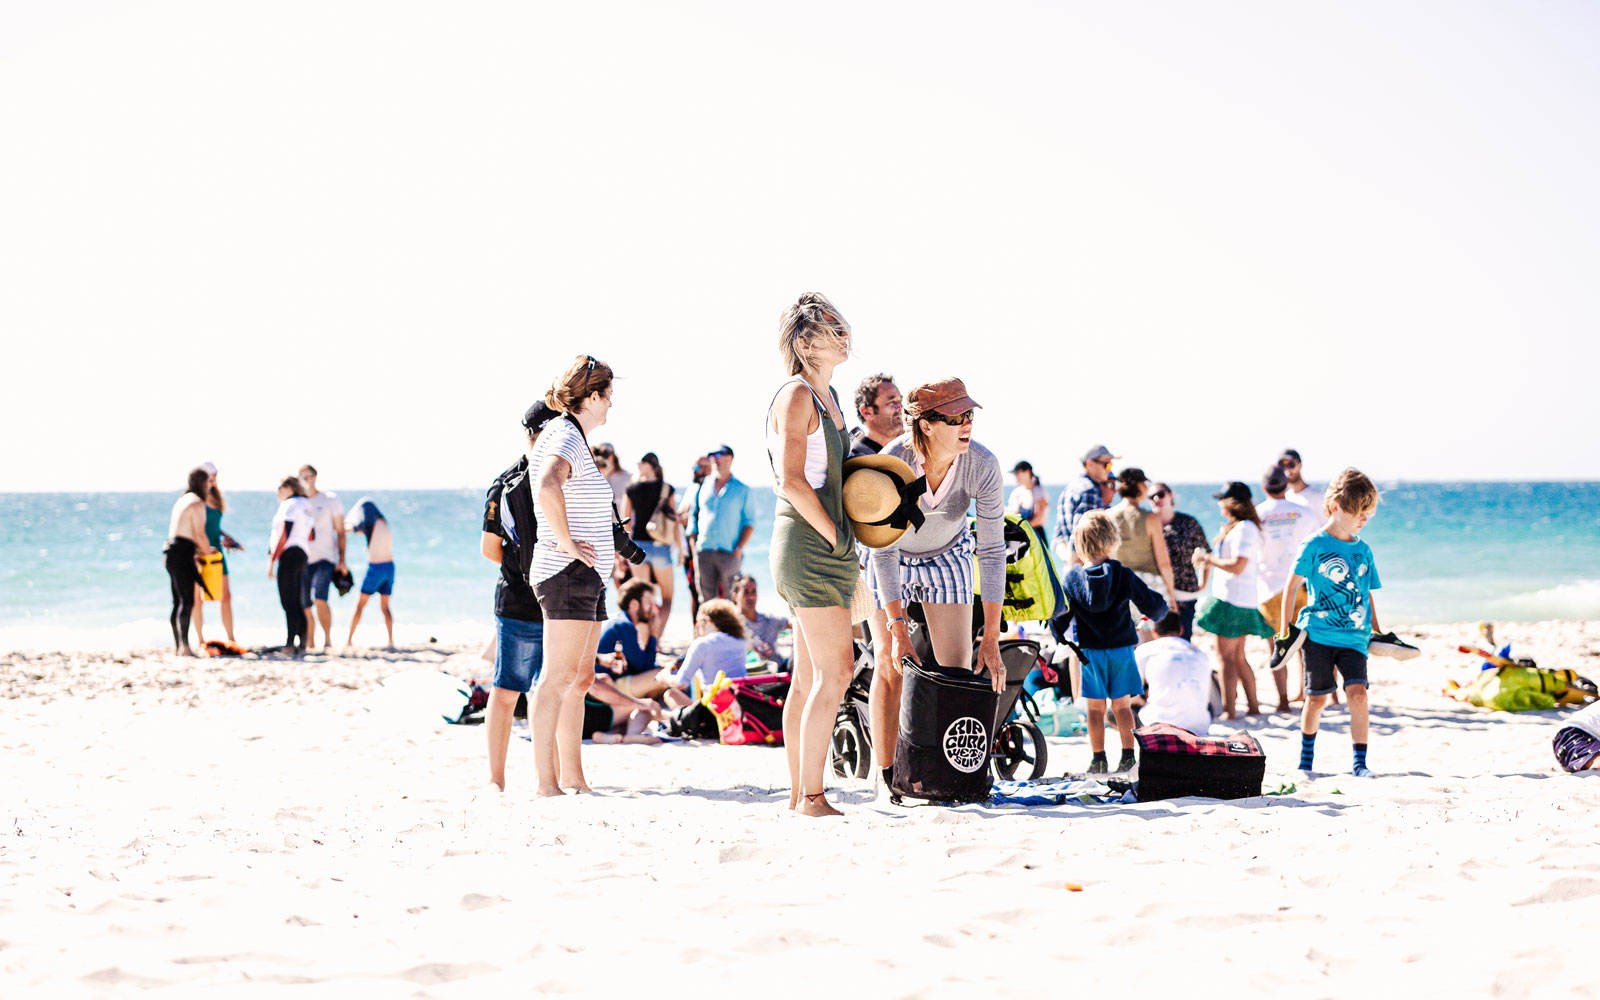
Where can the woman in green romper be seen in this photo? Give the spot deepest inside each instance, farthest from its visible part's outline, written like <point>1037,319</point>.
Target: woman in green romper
<point>813,552</point>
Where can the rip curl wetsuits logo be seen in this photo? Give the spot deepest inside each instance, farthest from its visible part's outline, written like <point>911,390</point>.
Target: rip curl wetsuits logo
<point>966,744</point>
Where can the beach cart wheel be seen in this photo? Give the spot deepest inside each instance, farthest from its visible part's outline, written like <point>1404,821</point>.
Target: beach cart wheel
<point>1020,748</point>
<point>852,755</point>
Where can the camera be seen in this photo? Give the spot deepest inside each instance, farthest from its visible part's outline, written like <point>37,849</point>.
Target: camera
<point>622,542</point>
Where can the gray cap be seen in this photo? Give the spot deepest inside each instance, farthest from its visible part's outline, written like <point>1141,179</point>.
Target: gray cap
<point>1099,453</point>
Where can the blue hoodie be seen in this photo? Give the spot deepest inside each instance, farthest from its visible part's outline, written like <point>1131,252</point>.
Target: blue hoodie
<point>1099,596</point>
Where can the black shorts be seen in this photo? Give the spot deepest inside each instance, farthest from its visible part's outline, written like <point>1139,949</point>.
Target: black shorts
<point>576,594</point>
<point>597,717</point>
<point>1321,661</point>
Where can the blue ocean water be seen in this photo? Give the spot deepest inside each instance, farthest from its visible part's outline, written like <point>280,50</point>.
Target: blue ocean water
<point>84,570</point>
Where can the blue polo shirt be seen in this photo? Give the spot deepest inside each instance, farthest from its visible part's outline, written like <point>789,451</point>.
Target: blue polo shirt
<point>722,515</point>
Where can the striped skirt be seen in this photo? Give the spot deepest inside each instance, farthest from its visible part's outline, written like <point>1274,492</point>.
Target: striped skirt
<point>942,579</point>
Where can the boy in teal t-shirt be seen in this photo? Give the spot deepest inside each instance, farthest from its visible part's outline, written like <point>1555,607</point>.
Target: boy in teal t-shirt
<point>1339,619</point>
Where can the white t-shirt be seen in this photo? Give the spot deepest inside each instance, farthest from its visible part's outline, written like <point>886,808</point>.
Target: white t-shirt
<point>325,506</point>
<point>1179,675</point>
<point>1239,588</point>
<point>588,497</point>
<point>1587,720</point>
<point>1023,499</point>
<point>298,513</point>
<point>1285,524</point>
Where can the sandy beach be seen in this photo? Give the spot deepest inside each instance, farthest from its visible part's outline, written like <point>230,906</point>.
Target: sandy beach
<point>249,827</point>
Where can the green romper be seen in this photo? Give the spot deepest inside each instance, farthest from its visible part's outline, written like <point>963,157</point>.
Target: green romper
<point>808,573</point>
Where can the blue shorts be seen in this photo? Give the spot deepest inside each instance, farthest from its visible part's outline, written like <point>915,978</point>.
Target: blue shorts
<point>518,653</point>
<point>379,579</point>
<point>319,576</point>
<point>1111,673</point>
<point>656,554</point>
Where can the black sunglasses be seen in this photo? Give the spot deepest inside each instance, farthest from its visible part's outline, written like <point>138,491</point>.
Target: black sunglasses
<point>1158,494</point>
<point>955,421</point>
<point>592,362</point>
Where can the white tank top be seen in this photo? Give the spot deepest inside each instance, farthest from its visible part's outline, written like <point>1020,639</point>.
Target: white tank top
<point>816,444</point>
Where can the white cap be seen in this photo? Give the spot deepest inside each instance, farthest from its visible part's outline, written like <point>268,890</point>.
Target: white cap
<point>211,470</point>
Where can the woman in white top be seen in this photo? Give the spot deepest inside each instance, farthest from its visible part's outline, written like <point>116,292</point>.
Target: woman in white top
<point>1231,613</point>
<point>286,547</point>
<point>1029,500</point>
<point>574,516</point>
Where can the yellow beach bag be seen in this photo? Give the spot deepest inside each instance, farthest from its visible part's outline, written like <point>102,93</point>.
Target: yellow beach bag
<point>211,576</point>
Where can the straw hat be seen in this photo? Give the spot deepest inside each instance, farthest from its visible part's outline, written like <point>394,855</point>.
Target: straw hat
<point>880,499</point>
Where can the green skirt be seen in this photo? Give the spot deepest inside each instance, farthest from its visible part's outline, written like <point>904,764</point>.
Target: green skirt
<point>1231,621</point>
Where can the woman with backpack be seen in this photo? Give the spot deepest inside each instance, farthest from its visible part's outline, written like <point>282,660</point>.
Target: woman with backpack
<point>932,558</point>
<point>649,508</point>
<point>1231,612</point>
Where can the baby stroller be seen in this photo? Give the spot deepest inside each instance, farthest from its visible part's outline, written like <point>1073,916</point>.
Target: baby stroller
<point>1018,742</point>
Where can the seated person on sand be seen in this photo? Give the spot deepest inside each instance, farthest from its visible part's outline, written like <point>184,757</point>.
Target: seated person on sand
<point>1178,674</point>
<point>1577,742</point>
<point>609,716</point>
<point>719,647</point>
<point>379,579</point>
<point>761,631</point>
<point>627,647</point>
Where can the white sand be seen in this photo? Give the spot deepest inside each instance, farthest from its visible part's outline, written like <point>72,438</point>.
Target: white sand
<point>244,828</point>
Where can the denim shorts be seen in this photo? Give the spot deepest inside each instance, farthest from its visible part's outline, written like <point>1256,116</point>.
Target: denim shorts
<point>319,575</point>
<point>576,594</point>
<point>1111,673</point>
<point>656,554</point>
<point>518,653</point>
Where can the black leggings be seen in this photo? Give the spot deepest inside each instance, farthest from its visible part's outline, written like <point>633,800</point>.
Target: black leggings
<point>184,576</point>
<point>291,571</point>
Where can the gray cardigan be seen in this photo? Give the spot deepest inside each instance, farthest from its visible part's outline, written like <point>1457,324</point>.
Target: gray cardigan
<point>977,479</point>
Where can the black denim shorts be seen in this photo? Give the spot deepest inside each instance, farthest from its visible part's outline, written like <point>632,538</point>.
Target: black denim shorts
<point>576,594</point>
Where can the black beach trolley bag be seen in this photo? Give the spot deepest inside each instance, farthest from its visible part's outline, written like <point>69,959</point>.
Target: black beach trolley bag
<point>946,732</point>
<point>1174,762</point>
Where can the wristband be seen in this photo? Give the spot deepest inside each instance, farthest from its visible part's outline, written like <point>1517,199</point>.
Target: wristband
<point>893,620</point>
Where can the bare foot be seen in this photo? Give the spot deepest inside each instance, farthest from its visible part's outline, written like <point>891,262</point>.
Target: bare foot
<point>1283,706</point>
<point>609,739</point>
<point>497,784</point>
<point>816,805</point>
<point>578,788</point>
<point>1229,715</point>
<point>186,651</point>
<point>548,791</point>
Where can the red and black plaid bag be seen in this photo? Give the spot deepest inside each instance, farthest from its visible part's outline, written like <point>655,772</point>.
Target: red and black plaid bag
<point>1174,762</point>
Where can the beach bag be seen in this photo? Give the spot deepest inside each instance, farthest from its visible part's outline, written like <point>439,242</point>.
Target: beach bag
<point>1528,689</point>
<point>1174,762</point>
<point>946,733</point>
<point>659,527</point>
<point>693,722</point>
<point>1033,586</point>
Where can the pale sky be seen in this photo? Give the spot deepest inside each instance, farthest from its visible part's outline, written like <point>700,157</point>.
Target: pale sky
<point>367,235</point>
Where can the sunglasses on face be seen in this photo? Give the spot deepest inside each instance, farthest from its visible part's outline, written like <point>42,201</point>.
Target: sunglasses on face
<point>1159,495</point>
<point>955,421</point>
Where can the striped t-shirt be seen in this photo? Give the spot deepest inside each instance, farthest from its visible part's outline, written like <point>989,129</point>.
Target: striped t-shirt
<point>588,497</point>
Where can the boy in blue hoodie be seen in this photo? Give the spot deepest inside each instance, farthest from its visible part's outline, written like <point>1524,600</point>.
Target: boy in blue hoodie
<point>1098,592</point>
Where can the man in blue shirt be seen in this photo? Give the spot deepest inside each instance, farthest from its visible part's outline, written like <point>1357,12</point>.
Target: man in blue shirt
<point>621,653</point>
<point>1079,498</point>
<point>720,527</point>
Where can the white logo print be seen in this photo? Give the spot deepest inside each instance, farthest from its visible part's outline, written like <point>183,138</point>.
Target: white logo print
<point>966,744</point>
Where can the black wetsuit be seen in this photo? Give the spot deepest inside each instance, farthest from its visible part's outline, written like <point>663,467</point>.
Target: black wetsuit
<point>292,593</point>
<point>184,576</point>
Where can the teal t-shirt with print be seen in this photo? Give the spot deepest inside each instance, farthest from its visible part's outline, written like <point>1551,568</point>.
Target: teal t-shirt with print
<point>1341,577</point>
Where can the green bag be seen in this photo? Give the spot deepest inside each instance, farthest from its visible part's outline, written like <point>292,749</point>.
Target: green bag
<point>1514,689</point>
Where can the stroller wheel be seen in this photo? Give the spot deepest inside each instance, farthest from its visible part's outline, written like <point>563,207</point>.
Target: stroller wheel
<point>852,753</point>
<point>1021,746</point>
